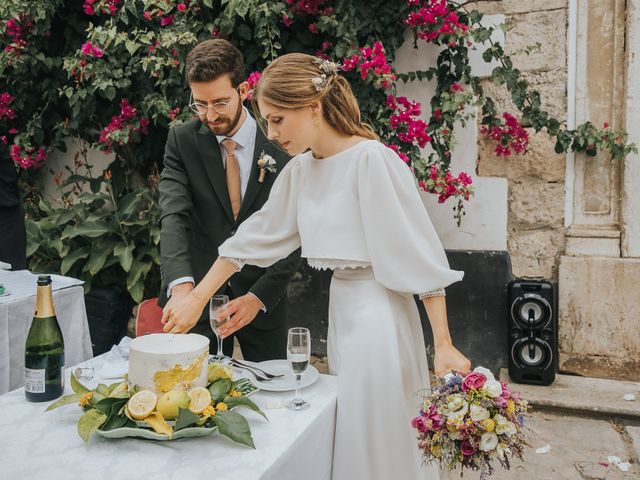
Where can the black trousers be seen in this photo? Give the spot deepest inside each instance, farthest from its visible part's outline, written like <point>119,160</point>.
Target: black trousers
<point>13,237</point>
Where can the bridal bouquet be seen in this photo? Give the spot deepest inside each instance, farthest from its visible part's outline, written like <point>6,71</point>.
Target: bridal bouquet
<point>470,420</point>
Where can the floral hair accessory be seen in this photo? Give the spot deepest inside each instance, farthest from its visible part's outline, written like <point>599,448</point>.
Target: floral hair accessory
<point>328,68</point>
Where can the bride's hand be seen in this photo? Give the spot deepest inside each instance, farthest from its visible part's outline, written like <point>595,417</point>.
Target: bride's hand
<point>449,358</point>
<point>181,316</point>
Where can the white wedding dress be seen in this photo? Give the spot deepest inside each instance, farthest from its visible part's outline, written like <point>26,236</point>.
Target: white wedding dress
<point>359,213</point>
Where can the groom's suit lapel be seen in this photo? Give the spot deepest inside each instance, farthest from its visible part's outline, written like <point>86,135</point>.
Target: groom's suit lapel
<point>212,160</point>
<point>253,185</point>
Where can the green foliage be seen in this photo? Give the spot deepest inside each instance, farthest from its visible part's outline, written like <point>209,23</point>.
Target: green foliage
<point>104,236</point>
<point>108,232</point>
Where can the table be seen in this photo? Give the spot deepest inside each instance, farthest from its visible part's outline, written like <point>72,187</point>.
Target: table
<point>292,446</point>
<point>16,314</point>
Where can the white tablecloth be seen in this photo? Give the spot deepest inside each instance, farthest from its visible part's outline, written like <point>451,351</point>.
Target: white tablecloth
<point>291,446</point>
<point>16,314</point>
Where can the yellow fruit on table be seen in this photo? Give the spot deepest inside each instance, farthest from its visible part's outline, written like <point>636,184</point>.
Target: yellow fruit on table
<point>200,399</point>
<point>170,403</point>
<point>118,389</point>
<point>217,370</point>
<point>142,404</point>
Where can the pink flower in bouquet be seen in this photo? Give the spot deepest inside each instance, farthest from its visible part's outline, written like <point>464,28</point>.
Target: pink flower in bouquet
<point>467,448</point>
<point>420,424</point>
<point>474,380</point>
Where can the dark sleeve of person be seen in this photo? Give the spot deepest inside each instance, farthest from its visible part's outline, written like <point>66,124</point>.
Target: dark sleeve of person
<point>272,285</point>
<point>9,194</point>
<point>175,206</point>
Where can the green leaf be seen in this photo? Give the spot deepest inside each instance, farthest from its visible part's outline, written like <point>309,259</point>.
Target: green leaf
<point>89,423</point>
<point>116,419</point>
<point>124,253</point>
<point>127,204</point>
<point>98,257</point>
<point>76,386</point>
<point>73,257</point>
<point>102,389</point>
<point>219,389</point>
<point>234,426</point>
<point>137,291</point>
<point>131,46</point>
<point>186,418</point>
<point>106,404</point>
<point>233,402</point>
<point>66,400</point>
<point>88,229</point>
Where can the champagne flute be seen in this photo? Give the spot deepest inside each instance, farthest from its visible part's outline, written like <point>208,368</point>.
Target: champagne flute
<point>215,304</point>
<point>298,354</point>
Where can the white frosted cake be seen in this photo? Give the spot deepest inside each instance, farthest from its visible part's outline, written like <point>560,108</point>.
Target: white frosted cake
<point>160,361</point>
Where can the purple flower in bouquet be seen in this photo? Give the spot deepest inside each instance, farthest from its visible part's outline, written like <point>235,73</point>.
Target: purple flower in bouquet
<point>451,380</point>
<point>501,402</point>
<point>474,380</point>
<point>434,418</point>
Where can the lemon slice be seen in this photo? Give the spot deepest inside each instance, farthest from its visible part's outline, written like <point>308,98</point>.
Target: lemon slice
<point>200,399</point>
<point>142,404</point>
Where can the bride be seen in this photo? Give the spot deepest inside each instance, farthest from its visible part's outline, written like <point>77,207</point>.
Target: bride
<point>353,206</point>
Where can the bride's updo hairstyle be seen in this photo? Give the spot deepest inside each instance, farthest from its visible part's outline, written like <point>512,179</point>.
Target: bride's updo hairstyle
<point>296,80</point>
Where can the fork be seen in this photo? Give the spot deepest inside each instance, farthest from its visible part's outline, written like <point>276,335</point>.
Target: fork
<point>267,375</point>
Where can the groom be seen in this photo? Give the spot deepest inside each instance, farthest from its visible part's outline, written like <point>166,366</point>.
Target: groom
<point>210,184</point>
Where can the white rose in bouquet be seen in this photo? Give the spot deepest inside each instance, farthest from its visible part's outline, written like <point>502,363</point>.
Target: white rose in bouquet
<point>494,388</point>
<point>488,441</point>
<point>504,426</point>
<point>479,413</point>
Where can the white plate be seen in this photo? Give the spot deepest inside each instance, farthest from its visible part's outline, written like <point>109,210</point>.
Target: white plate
<point>276,367</point>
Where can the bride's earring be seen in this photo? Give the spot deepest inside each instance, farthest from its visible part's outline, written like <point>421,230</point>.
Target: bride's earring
<point>316,121</point>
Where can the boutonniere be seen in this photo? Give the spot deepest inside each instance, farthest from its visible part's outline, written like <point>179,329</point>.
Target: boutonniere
<point>266,163</point>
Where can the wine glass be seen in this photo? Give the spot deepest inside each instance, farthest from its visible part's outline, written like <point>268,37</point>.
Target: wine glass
<point>215,304</point>
<point>298,355</point>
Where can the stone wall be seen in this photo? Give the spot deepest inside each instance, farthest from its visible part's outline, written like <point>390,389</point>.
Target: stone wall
<point>535,226</point>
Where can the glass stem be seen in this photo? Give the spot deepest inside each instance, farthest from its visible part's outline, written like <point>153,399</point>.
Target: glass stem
<point>219,338</point>
<point>296,397</point>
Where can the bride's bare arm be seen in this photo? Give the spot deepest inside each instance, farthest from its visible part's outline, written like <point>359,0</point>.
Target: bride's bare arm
<point>182,316</point>
<point>447,357</point>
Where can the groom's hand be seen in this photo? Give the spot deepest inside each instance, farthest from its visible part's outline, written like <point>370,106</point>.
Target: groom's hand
<point>181,316</point>
<point>242,311</point>
<point>178,292</point>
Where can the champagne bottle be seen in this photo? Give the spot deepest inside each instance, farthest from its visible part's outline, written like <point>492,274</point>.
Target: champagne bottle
<point>44,350</point>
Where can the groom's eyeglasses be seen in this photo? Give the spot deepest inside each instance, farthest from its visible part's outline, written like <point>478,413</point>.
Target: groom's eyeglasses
<point>202,108</point>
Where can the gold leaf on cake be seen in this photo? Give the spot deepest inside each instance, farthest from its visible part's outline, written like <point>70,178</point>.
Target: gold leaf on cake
<point>165,380</point>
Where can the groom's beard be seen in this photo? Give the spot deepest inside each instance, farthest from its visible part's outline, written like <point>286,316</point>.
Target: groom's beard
<point>225,125</point>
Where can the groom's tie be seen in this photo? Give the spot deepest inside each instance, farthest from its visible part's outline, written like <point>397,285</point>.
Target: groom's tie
<point>233,176</point>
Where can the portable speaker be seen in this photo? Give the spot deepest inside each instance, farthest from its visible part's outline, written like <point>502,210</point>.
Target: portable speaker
<point>533,332</point>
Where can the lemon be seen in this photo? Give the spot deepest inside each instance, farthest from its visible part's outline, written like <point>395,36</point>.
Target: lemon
<point>142,404</point>
<point>118,389</point>
<point>200,399</point>
<point>170,403</point>
<point>217,370</point>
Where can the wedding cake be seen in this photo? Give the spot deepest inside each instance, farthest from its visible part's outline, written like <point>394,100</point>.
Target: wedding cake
<point>160,361</point>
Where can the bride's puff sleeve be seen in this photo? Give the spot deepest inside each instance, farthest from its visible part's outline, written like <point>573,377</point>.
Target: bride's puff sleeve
<point>405,251</point>
<point>271,233</point>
